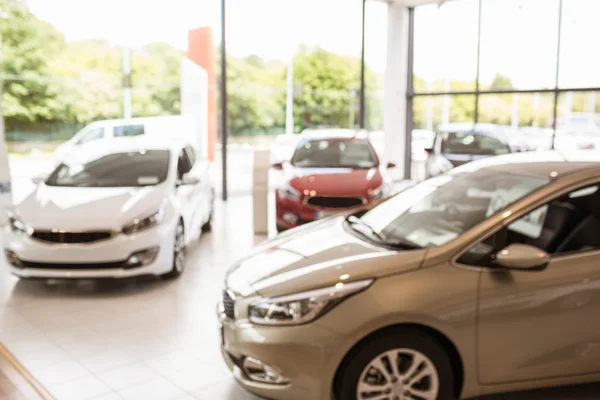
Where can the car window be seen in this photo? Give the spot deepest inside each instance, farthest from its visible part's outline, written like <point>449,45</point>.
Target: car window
<point>472,143</point>
<point>137,168</point>
<point>438,210</point>
<point>191,155</point>
<point>567,224</point>
<point>91,135</point>
<point>335,154</point>
<point>183,164</point>
<point>128,130</point>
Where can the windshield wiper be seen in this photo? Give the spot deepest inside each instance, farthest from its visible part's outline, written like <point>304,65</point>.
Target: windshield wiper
<point>402,243</point>
<point>357,221</point>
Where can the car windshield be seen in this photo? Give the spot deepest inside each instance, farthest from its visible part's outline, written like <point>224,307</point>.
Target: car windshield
<point>440,209</point>
<point>472,143</point>
<point>335,154</point>
<point>139,168</point>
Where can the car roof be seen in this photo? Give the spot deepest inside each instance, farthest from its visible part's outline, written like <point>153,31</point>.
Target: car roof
<point>96,149</point>
<point>323,134</point>
<point>550,164</point>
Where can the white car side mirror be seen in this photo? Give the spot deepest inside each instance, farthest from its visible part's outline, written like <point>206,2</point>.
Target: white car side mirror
<point>187,179</point>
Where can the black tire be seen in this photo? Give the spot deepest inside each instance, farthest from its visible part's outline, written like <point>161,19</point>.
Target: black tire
<point>207,227</point>
<point>281,228</point>
<point>350,373</point>
<point>179,253</point>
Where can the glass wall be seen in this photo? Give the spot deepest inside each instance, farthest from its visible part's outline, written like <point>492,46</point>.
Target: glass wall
<point>526,66</point>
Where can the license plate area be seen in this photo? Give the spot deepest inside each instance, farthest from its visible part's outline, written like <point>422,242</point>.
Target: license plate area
<point>325,214</point>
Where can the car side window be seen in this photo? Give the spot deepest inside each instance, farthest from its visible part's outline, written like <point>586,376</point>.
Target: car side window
<point>568,224</point>
<point>183,164</point>
<point>128,130</point>
<point>91,135</point>
<point>191,155</point>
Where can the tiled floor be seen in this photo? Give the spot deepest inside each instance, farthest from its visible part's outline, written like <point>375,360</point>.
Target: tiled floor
<point>13,385</point>
<point>144,338</point>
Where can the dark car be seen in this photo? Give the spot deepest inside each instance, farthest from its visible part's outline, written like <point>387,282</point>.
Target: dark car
<point>457,144</point>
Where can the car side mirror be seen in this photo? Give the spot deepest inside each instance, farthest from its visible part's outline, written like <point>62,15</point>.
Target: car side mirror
<point>277,166</point>
<point>522,257</point>
<point>391,165</point>
<point>187,179</point>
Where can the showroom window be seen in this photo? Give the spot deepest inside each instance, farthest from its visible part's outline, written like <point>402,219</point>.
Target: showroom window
<point>526,66</point>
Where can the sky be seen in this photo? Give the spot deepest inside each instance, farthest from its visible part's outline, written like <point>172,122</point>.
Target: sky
<point>272,29</point>
<point>518,36</point>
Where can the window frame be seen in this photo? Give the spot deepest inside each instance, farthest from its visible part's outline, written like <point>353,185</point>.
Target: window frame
<point>507,221</point>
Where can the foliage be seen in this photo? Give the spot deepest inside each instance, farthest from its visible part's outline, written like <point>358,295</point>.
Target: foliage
<point>28,45</point>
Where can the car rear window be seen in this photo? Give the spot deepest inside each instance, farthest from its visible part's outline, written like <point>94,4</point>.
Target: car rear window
<point>472,143</point>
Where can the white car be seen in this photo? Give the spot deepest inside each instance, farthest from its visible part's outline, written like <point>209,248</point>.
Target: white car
<point>123,208</point>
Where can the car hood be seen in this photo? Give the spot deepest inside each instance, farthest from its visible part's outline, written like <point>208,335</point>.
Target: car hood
<point>334,181</point>
<point>317,255</point>
<point>78,208</point>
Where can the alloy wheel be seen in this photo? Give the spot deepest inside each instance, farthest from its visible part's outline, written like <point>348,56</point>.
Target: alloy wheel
<point>399,374</point>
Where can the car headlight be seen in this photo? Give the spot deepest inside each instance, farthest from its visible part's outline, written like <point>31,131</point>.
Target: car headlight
<point>17,225</point>
<point>289,192</point>
<point>304,307</point>
<point>379,193</point>
<point>140,224</point>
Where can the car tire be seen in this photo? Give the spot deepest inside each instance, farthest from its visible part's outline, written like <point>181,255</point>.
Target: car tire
<point>423,368</point>
<point>207,227</point>
<point>281,228</point>
<point>179,253</point>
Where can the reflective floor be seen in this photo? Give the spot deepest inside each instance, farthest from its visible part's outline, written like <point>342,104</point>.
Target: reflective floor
<point>144,338</point>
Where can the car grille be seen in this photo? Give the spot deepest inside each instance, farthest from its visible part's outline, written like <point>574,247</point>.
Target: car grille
<point>335,202</point>
<point>228,305</point>
<point>70,237</point>
<point>69,266</point>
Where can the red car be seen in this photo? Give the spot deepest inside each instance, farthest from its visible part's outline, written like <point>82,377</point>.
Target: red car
<point>330,172</point>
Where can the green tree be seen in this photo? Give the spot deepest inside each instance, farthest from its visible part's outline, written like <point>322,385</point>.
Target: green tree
<point>501,82</point>
<point>156,80</point>
<point>89,75</point>
<point>326,81</point>
<point>28,46</point>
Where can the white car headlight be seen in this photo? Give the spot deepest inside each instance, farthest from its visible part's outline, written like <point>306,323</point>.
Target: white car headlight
<point>379,193</point>
<point>304,307</point>
<point>140,224</point>
<point>17,225</point>
<point>289,192</point>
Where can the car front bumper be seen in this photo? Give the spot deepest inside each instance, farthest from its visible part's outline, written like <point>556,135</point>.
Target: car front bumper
<point>100,259</point>
<point>292,213</point>
<point>300,353</point>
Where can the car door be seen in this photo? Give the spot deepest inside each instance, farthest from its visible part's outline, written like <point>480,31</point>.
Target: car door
<point>186,193</point>
<point>543,324</point>
<point>202,197</point>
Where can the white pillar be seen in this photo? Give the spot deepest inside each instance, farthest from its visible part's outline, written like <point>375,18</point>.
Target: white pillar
<point>394,107</point>
<point>260,191</point>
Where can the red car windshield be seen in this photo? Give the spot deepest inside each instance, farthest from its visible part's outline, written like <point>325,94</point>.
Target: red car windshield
<point>357,154</point>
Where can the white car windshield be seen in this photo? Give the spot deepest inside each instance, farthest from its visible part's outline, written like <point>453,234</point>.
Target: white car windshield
<point>139,168</point>
<point>440,209</point>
